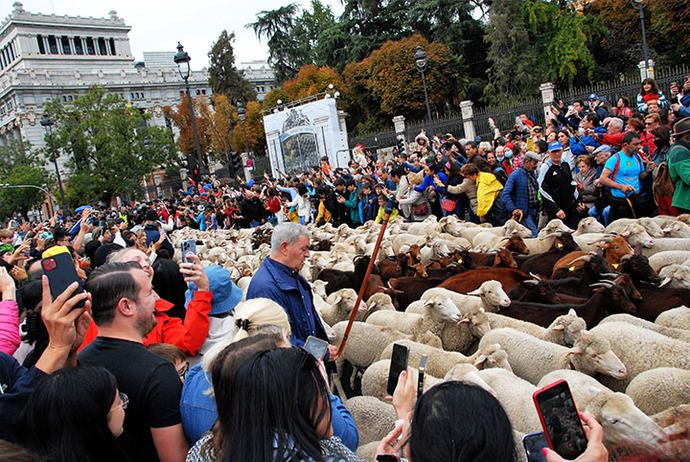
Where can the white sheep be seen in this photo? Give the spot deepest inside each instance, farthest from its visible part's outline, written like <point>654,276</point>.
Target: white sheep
<point>375,379</point>
<point>374,418</point>
<point>675,276</point>
<point>407,323</point>
<point>668,257</point>
<point>515,395</point>
<point>368,451</point>
<point>641,349</point>
<point>616,412</point>
<point>564,330</point>
<point>680,334</point>
<point>666,243</point>
<point>439,361</point>
<point>656,390</point>
<point>621,225</point>
<point>678,318</point>
<point>589,225</point>
<point>676,423</point>
<point>677,229</point>
<point>338,306</point>
<point>532,358</point>
<point>490,296</point>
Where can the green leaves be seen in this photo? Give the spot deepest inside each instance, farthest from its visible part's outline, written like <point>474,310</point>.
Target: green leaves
<point>224,77</point>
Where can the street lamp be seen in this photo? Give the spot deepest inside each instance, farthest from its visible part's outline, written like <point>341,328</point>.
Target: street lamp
<point>242,115</point>
<point>47,123</point>
<point>420,62</point>
<point>182,60</point>
<point>640,5</point>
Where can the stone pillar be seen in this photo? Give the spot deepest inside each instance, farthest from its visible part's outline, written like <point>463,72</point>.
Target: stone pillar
<point>399,125</point>
<point>649,72</point>
<point>547,97</point>
<point>467,114</point>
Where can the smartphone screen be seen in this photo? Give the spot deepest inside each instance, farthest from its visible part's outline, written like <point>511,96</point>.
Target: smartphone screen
<point>188,246</point>
<point>399,359</point>
<point>420,379</point>
<point>61,273</point>
<point>316,347</point>
<point>559,419</point>
<point>533,444</point>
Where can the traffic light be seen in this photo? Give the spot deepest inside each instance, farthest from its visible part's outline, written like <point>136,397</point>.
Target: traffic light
<point>236,160</point>
<point>401,145</point>
<point>192,168</point>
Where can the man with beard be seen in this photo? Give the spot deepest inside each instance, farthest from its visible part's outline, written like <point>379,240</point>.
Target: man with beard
<point>123,303</point>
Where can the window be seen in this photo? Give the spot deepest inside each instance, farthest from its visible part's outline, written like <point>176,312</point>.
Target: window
<point>90,50</point>
<point>66,50</point>
<point>11,50</point>
<point>78,49</point>
<point>41,47</point>
<point>70,98</point>
<point>203,92</point>
<point>52,45</point>
<point>112,47</point>
<point>101,46</point>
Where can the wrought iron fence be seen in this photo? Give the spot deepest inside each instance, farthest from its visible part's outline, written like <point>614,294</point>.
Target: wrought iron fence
<point>504,115</point>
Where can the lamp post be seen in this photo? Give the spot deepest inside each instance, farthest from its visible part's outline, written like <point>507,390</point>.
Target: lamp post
<point>420,62</point>
<point>47,123</point>
<point>182,60</point>
<point>242,115</point>
<point>640,5</point>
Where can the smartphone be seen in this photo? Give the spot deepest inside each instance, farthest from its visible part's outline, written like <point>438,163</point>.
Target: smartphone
<point>316,347</point>
<point>420,378</point>
<point>188,246</point>
<point>533,444</point>
<point>559,419</point>
<point>401,354</point>
<point>61,273</point>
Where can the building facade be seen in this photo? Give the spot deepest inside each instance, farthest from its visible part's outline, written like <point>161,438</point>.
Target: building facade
<point>259,74</point>
<point>47,56</point>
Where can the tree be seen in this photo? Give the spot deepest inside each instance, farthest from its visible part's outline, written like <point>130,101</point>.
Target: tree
<point>19,166</point>
<point>182,119</point>
<point>224,77</point>
<point>312,80</point>
<point>254,123</point>
<point>109,142</point>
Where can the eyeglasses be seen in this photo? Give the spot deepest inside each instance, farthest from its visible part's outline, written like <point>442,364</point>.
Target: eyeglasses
<point>182,372</point>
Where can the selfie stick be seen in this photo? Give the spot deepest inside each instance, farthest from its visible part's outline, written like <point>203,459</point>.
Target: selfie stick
<point>387,212</point>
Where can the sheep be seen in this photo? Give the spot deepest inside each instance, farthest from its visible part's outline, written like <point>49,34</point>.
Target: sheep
<point>656,390</point>
<point>439,361</point>
<point>374,418</point>
<point>436,249</point>
<point>616,412</point>
<point>339,305</point>
<point>668,257</point>
<point>368,451</point>
<point>532,358</point>
<point>666,243</point>
<point>416,307</point>
<point>675,276</point>
<point>589,225</point>
<point>677,229</point>
<point>634,233</point>
<point>621,225</point>
<point>406,323</point>
<point>375,379</point>
<point>641,349</point>
<point>564,330</point>
<point>376,302</point>
<point>515,395</point>
<point>676,423</point>
<point>678,318</point>
<point>680,334</point>
<point>490,295</point>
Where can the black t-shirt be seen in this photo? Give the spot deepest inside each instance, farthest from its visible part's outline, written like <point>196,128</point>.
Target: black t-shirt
<point>151,384</point>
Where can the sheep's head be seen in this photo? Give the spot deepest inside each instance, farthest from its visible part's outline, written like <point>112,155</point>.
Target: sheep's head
<point>676,229</point>
<point>513,227</point>
<point>468,373</point>
<point>380,301</point>
<point>478,321</point>
<point>554,226</point>
<point>492,295</point>
<point>590,225</point>
<point>570,325</point>
<point>592,353</point>
<point>344,300</point>
<point>442,308</point>
<point>637,235</point>
<point>492,355</point>
<point>623,421</point>
<point>675,276</point>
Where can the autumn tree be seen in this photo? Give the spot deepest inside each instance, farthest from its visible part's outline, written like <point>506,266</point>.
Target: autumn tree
<point>312,80</point>
<point>109,143</point>
<point>181,118</point>
<point>223,76</point>
<point>254,123</point>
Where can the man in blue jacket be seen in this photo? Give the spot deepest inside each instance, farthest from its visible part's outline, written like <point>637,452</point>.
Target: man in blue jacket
<point>278,279</point>
<point>520,194</point>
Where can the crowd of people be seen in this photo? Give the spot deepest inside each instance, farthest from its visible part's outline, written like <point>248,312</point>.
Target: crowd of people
<point>155,360</point>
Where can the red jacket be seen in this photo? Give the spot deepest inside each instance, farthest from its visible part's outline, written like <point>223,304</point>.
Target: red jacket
<point>188,335</point>
<point>617,140</point>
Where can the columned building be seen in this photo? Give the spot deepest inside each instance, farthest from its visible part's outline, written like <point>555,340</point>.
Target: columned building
<point>259,74</point>
<point>47,56</point>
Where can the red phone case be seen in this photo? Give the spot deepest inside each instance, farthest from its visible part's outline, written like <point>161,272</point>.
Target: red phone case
<point>541,416</point>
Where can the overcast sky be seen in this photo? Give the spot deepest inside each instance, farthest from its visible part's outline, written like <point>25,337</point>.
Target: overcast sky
<point>158,25</point>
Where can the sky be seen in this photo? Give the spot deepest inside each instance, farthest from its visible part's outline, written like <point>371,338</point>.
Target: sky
<point>158,25</point>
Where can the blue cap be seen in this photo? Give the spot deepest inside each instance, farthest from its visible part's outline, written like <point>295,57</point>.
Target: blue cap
<point>555,146</point>
<point>593,97</point>
<point>226,295</point>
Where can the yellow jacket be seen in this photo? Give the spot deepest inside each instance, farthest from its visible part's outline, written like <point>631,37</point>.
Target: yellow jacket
<point>488,188</point>
<point>323,213</point>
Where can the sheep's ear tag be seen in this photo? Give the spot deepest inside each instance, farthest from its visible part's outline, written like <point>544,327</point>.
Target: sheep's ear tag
<point>559,245</point>
<point>571,268</point>
<point>615,265</point>
<point>459,260</point>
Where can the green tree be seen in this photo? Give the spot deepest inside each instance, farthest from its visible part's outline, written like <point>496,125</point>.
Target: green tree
<point>108,141</point>
<point>223,76</point>
<point>20,166</point>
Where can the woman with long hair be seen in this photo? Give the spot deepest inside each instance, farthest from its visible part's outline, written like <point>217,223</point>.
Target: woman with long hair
<point>75,415</point>
<point>649,91</point>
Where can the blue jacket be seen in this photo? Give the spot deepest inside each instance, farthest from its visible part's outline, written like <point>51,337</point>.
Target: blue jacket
<point>199,410</point>
<point>152,235</point>
<point>579,147</point>
<point>286,287</point>
<point>17,383</point>
<point>515,195</point>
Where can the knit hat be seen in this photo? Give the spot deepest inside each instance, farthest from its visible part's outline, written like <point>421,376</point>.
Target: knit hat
<point>226,295</point>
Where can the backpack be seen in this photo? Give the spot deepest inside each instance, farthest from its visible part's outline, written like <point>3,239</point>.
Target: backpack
<point>663,186</point>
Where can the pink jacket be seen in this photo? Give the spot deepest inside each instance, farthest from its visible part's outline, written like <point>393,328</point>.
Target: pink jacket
<point>9,327</point>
